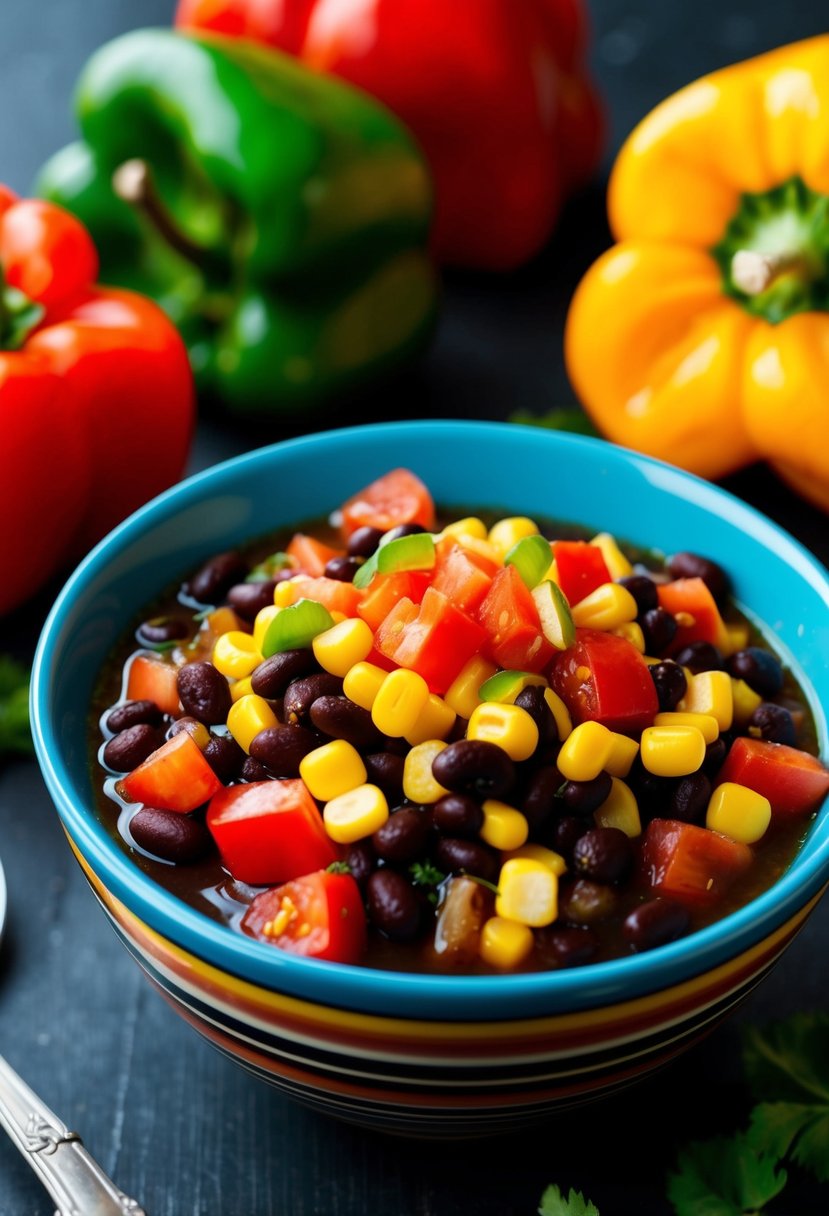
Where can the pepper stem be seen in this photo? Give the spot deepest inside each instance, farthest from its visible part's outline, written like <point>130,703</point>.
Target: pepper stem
<point>753,272</point>
<point>133,183</point>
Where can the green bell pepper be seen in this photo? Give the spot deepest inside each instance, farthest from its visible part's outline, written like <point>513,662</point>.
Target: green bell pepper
<point>279,216</point>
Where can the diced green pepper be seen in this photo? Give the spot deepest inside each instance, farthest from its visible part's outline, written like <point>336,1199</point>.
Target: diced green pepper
<point>296,627</point>
<point>532,558</point>
<point>554,614</point>
<point>505,686</point>
<point>415,552</point>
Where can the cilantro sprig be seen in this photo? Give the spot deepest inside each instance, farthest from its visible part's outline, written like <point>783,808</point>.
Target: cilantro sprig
<point>15,733</point>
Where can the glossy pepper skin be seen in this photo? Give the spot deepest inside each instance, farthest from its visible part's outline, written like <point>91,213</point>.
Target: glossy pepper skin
<point>495,92</point>
<point>96,397</point>
<point>281,223</point>
<point>675,345</point>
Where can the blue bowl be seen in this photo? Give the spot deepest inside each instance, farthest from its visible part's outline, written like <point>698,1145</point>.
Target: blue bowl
<point>429,1053</point>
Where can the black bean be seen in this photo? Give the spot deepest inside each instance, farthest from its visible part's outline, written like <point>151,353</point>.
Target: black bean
<point>385,770</point>
<point>211,583</point>
<point>760,669</point>
<point>458,815</point>
<point>301,694</point>
<point>225,757</point>
<point>654,923</point>
<point>403,837</point>
<point>340,718</point>
<point>651,792</point>
<point>342,568</point>
<point>773,723</point>
<point>363,542</point>
<point>271,678</point>
<point>281,748</point>
<point>659,629</point>
<point>603,854</point>
<point>691,565</point>
<point>455,855</point>
<point>585,797</point>
<point>533,701</point>
<point>474,766</point>
<point>361,861</point>
<point>204,692</point>
<point>643,590</point>
<point>670,682</point>
<point>133,713</point>
<point>126,750</point>
<point>689,799</point>
<point>160,630</point>
<point>566,945</point>
<point>538,801</point>
<point>699,656</point>
<point>715,754</point>
<point>173,837</point>
<point>254,770</point>
<point>563,834</point>
<point>248,599</point>
<point>402,530</point>
<point>393,905</point>
<point>586,902</point>
<point>188,725</point>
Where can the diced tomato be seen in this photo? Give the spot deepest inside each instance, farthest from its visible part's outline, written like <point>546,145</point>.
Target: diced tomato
<point>310,554</point>
<point>399,497</point>
<point>603,678</point>
<point>319,915</point>
<point>690,600</point>
<point>152,679</point>
<point>269,831</point>
<point>385,590</point>
<point>435,638</point>
<point>510,618</point>
<point>794,781</point>
<point>580,568</point>
<point>333,593</point>
<point>175,777</point>
<point>689,863</point>
<point>461,577</point>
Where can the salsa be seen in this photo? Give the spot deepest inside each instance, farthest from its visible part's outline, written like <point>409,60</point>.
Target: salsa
<point>479,744</point>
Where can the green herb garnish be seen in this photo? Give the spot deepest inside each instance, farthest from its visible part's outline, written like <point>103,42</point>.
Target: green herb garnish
<point>15,732</point>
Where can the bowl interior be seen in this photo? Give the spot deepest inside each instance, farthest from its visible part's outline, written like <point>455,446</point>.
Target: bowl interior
<point>521,470</point>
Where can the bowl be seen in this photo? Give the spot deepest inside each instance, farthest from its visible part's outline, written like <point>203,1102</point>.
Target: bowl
<point>430,1054</point>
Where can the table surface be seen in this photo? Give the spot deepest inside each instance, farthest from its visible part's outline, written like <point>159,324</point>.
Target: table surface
<point>177,1125</point>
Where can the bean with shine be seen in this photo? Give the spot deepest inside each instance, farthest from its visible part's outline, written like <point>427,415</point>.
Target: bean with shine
<point>585,797</point>
<point>212,581</point>
<point>655,923</point>
<point>363,541</point>
<point>272,677</point>
<point>474,766</point>
<point>204,692</point>
<point>342,568</point>
<point>248,599</point>
<point>458,815</point>
<point>659,629</point>
<point>393,905</point>
<point>281,748</point>
<point>566,945</point>
<point>385,769</point>
<point>533,701</point>
<point>689,799</point>
<point>170,836</point>
<point>301,694</point>
<point>340,718</point>
<point>133,713</point>
<point>361,861</point>
<point>760,669</point>
<point>454,855</point>
<point>225,757</point>
<point>254,770</point>
<point>699,656</point>
<point>130,747</point>
<point>403,837</point>
<point>538,802</point>
<point>603,854</point>
<point>161,630</point>
<point>670,682</point>
<point>692,565</point>
<point>774,723</point>
<point>643,590</point>
<point>586,902</point>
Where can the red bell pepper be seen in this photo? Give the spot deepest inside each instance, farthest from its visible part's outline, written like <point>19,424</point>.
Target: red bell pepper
<point>318,915</point>
<point>434,638</point>
<point>603,678</point>
<point>580,568</point>
<point>794,781</point>
<point>96,397</point>
<point>510,618</point>
<point>152,678</point>
<point>495,92</point>
<point>310,554</point>
<point>176,777</point>
<point>690,863</point>
<point>699,619</point>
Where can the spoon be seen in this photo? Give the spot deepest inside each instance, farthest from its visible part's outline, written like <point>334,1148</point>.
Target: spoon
<point>74,1180</point>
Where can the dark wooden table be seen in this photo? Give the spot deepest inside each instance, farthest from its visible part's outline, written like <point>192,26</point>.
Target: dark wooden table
<point>178,1126</point>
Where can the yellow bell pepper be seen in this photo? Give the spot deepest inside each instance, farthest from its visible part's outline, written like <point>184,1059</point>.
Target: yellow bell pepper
<point>702,337</point>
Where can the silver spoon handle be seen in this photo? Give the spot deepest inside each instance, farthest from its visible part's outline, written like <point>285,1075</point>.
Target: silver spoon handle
<point>75,1181</point>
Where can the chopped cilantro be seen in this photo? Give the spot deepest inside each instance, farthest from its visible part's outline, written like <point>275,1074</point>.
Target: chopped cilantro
<point>724,1177</point>
<point>15,733</point>
<point>338,867</point>
<point>553,1203</point>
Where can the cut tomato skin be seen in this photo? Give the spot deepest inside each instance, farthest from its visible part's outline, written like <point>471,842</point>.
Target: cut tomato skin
<point>461,577</point>
<point>603,678</point>
<point>310,554</point>
<point>689,863</point>
<point>151,679</point>
<point>434,638</point>
<point>386,590</point>
<point>175,777</point>
<point>691,598</point>
<point>318,915</point>
<point>795,782</point>
<point>269,831</point>
<point>510,618</point>
<point>580,568</point>
<point>333,593</point>
<point>398,497</point>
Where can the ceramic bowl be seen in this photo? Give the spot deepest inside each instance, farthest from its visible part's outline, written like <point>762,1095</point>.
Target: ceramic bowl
<point>430,1054</point>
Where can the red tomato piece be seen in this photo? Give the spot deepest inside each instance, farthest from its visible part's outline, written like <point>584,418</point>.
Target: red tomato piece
<point>399,497</point>
<point>690,863</point>
<point>699,618</point>
<point>580,567</point>
<point>269,831</point>
<point>461,577</point>
<point>794,781</point>
<point>510,618</point>
<point>332,593</point>
<point>385,590</point>
<point>604,678</point>
<point>152,679</point>
<point>319,915</point>
<point>310,554</point>
<point>435,639</point>
<point>176,777</point>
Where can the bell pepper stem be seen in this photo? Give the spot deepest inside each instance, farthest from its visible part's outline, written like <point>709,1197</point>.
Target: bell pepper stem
<point>133,183</point>
<point>753,272</point>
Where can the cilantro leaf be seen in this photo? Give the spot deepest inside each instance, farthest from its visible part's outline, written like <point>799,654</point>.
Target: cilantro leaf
<point>553,1203</point>
<point>795,1130</point>
<point>15,734</point>
<point>724,1177</point>
<point>561,419</point>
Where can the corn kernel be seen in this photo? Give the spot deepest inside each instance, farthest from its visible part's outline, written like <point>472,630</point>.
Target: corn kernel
<point>286,593</point>
<point>236,654</point>
<point>527,892</point>
<point>507,532</point>
<point>198,732</point>
<point>470,526</point>
<point>505,943</point>
<point>241,688</point>
<point>672,751</point>
<point>619,810</point>
<point>706,723</point>
<point>631,631</point>
<point>617,564</point>
<point>510,726</point>
<point>399,703</point>
<point>418,783</point>
<point>709,692</point>
<point>262,623</point>
<point>222,620</point>
<point>585,752</point>
<point>362,683</point>
<point>622,755</point>
<point>608,607</point>
<point>339,648</point>
<point>738,812</point>
<point>504,827</point>
<point>473,544</point>
<point>435,721</point>
<point>247,717</point>
<point>333,769</point>
<point>538,852</point>
<point>737,637</point>
<point>745,701</point>
<point>561,714</point>
<point>462,693</point>
<point>355,814</point>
